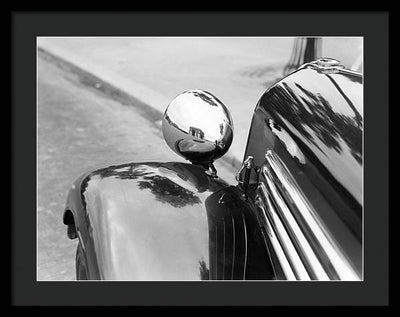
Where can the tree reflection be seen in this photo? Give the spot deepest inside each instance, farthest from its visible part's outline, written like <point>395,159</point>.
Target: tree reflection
<point>167,191</point>
<point>312,111</point>
<point>206,98</point>
<point>164,189</point>
<point>125,171</point>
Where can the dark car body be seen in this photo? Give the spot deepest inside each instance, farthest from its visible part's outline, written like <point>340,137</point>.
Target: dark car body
<point>295,214</point>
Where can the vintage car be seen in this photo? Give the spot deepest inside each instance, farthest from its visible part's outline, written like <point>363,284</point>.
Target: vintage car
<point>296,212</point>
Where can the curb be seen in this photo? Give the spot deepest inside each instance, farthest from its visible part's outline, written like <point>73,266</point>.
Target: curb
<point>111,91</point>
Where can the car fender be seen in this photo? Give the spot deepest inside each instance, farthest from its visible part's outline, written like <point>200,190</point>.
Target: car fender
<point>154,221</point>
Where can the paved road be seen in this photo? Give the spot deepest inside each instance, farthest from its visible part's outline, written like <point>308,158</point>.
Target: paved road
<point>82,126</point>
<point>155,69</point>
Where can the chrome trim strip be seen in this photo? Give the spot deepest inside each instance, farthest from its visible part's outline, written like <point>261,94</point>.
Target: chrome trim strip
<point>312,230</point>
<point>216,252</point>
<point>81,239</point>
<point>276,243</point>
<point>223,252</point>
<point>302,250</point>
<point>289,247</point>
<point>245,247</point>
<point>234,246</point>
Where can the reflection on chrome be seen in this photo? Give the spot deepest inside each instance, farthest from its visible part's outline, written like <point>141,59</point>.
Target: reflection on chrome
<point>197,126</point>
<point>302,247</point>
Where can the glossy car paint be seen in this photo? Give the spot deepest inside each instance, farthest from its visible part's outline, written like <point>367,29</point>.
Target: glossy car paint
<point>313,122</point>
<point>165,221</point>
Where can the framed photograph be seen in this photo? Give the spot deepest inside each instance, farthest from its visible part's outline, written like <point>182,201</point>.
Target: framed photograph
<point>200,158</point>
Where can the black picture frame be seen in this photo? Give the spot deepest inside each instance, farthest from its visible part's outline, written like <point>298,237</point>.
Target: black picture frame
<point>373,26</point>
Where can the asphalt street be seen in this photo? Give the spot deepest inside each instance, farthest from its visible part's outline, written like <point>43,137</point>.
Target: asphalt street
<point>154,70</point>
<point>83,125</point>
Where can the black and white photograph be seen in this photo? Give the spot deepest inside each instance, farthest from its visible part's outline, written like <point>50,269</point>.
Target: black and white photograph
<point>200,158</point>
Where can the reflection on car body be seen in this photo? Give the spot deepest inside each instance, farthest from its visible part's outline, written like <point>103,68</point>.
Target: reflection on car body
<point>295,213</point>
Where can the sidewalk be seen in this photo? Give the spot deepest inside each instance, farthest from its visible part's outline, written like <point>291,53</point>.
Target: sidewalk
<point>155,70</point>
